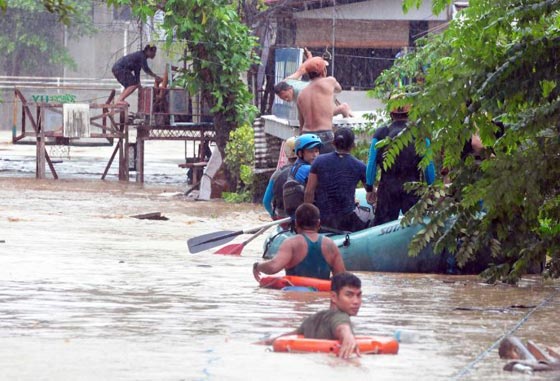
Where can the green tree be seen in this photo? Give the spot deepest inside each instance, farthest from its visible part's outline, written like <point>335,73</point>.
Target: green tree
<point>240,156</point>
<point>32,34</point>
<point>494,73</point>
<point>218,51</point>
<point>62,8</point>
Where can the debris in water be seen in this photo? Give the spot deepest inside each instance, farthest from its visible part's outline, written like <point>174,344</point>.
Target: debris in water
<point>151,216</point>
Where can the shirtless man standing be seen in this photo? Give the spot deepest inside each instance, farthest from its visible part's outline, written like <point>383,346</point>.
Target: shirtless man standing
<point>289,88</point>
<point>315,103</point>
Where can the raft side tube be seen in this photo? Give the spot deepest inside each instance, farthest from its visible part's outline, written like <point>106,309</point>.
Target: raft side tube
<point>379,248</point>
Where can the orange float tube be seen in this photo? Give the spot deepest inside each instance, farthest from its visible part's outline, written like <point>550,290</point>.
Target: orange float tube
<point>292,280</point>
<point>367,344</point>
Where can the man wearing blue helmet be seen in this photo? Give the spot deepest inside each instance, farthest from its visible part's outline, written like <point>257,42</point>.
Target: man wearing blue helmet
<point>307,149</point>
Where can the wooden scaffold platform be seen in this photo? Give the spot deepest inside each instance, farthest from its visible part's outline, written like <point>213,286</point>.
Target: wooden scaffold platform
<point>105,121</point>
<point>163,114</point>
<point>172,114</point>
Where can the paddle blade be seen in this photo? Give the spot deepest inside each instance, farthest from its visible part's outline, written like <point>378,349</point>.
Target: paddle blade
<point>233,249</point>
<point>210,240</point>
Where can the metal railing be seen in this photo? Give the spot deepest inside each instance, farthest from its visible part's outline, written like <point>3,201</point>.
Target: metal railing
<point>9,82</point>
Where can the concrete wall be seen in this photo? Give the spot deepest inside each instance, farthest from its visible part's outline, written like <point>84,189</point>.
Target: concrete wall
<point>375,10</point>
<point>359,101</point>
<point>379,24</point>
<point>96,55</point>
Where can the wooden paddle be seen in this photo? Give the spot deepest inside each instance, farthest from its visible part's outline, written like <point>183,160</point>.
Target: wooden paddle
<point>237,248</point>
<point>210,240</point>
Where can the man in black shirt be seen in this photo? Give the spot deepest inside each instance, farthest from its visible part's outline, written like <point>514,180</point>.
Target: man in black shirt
<point>390,197</point>
<point>127,70</point>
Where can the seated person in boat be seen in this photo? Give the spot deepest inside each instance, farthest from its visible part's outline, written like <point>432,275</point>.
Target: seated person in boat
<point>332,184</point>
<point>308,253</point>
<point>307,149</point>
<point>273,200</point>
<point>334,323</point>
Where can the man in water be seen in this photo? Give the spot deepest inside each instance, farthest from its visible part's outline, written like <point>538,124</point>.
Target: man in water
<point>127,71</point>
<point>527,358</point>
<point>334,323</point>
<point>315,103</point>
<point>306,254</point>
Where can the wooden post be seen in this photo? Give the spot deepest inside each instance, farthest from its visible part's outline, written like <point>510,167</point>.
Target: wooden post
<point>142,133</point>
<point>40,146</point>
<point>127,152</point>
<point>139,158</point>
<point>14,115</point>
<point>123,146</point>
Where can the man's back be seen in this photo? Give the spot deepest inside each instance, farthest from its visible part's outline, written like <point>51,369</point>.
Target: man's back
<point>314,264</point>
<point>297,247</point>
<point>315,104</point>
<point>133,62</point>
<point>337,177</point>
<point>405,168</point>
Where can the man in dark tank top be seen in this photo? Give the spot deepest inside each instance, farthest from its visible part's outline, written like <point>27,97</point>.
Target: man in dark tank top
<point>306,254</point>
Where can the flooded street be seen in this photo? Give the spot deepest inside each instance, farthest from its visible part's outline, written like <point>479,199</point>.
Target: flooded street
<point>89,293</point>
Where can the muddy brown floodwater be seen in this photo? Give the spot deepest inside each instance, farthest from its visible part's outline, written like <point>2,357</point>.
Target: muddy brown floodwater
<point>89,293</point>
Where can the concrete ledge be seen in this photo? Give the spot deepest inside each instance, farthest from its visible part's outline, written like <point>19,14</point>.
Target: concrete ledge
<point>284,128</point>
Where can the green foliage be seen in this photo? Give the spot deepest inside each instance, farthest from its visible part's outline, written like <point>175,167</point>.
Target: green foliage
<point>361,150</point>
<point>395,146</point>
<point>246,174</point>
<point>240,155</point>
<point>31,37</point>
<point>363,134</point>
<point>64,9</point>
<point>236,198</point>
<point>438,6</point>
<point>496,65</point>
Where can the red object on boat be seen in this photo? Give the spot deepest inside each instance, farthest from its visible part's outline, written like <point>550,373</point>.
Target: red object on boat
<point>368,345</point>
<point>292,280</point>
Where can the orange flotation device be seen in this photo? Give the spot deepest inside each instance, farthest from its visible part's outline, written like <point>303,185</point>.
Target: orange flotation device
<point>367,344</point>
<point>292,280</point>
